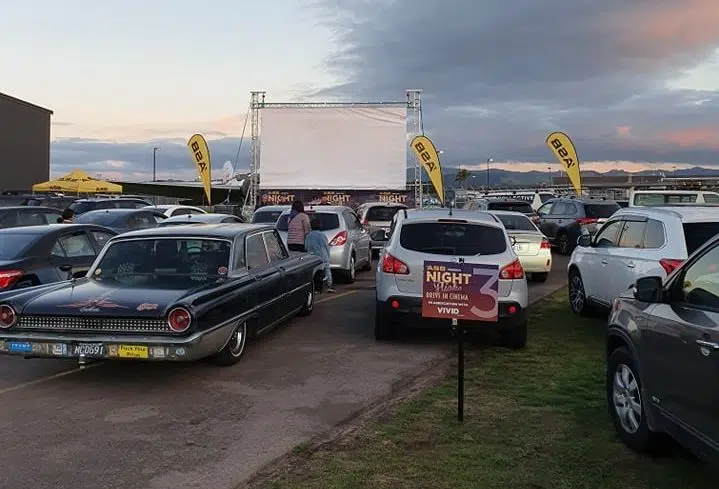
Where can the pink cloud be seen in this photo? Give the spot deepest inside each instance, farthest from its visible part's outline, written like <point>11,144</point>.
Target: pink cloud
<point>697,137</point>
<point>624,131</point>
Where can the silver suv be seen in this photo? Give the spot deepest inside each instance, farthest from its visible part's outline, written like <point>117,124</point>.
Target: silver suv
<point>425,235</point>
<point>349,241</point>
<point>377,218</point>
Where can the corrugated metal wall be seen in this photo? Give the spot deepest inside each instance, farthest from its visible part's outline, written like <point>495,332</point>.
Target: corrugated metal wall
<point>24,144</point>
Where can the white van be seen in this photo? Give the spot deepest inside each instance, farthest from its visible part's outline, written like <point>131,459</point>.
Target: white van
<point>645,198</point>
<point>536,198</point>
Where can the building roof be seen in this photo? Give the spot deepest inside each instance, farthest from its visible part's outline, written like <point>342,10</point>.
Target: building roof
<point>22,102</point>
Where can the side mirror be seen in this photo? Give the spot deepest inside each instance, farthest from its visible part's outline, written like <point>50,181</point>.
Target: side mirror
<point>584,241</point>
<point>648,289</point>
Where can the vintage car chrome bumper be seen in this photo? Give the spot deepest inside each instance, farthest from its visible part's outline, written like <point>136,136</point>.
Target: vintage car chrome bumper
<point>63,345</point>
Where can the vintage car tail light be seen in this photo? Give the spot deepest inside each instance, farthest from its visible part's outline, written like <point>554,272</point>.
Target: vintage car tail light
<point>545,244</point>
<point>179,319</point>
<point>7,316</point>
<point>340,239</point>
<point>669,264</point>
<point>587,220</point>
<point>513,271</point>
<point>9,277</point>
<point>390,264</point>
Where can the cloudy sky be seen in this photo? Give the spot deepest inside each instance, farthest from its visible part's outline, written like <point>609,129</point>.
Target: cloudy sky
<point>634,82</point>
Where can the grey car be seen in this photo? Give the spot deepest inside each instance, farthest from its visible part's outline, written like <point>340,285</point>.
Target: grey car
<point>376,217</point>
<point>349,241</point>
<point>663,358</point>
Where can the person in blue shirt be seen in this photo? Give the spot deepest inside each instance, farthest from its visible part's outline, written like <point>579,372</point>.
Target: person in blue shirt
<point>316,243</point>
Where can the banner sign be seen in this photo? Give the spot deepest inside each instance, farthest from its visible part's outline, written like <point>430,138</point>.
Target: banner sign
<point>566,153</point>
<point>463,291</point>
<point>201,156</point>
<point>428,157</point>
<point>349,198</point>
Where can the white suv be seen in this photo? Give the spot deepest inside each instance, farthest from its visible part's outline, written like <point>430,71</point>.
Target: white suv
<point>635,242</point>
<point>425,235</point>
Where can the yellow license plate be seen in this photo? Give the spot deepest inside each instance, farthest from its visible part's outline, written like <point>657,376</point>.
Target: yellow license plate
<point>132,351</point>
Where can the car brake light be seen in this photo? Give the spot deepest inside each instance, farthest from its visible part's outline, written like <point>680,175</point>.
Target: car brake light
<point>9,277</point>
<point>513,271</point>
<point>7,316</point>
<point>587,220</point>
<point>669,264</point>
<point>390,264</point>
<point>179,319</point>
<point>545,244</point>
<point>340,239</point>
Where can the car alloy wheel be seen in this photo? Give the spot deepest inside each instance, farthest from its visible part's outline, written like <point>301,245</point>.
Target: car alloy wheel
<point>577,297</point>
<point>564,244</point>
<point>353,272</point>
<point>627,399</point>
<point>238,340</point>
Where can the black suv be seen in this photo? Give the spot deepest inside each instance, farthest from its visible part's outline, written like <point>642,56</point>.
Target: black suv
<point>663,358</point>
<point>563,219</point>
<point>86,205</point>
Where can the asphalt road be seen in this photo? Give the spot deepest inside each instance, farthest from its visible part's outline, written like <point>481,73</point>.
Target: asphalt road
<point>176,426</point>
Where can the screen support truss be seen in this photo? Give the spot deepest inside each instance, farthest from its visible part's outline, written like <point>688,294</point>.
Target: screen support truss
<point>257,103</point>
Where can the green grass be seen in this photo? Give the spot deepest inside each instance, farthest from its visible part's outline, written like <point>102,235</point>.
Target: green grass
<point>534,419</point>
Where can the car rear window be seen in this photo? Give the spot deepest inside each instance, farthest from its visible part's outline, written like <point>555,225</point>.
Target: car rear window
<point>661,198</point>
<point>511,207</point>
<point>266,217</point>
<point>13,245</point>
<point>81,207</point>
<point>698,233</point>
<point>452,238</point>
<point>516,223</point>
<point>601,211</point>
<point>381,213</point>
<point>101,218</point>
<point>327,221</point>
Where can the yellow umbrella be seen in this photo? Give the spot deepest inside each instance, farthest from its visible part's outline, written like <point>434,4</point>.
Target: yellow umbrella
<point>78,182</point>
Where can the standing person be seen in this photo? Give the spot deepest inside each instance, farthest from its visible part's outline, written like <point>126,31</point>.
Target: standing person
<point>317,244</point>
<point>67,216</point>
<point>298,227</point>
<point>324,200</point>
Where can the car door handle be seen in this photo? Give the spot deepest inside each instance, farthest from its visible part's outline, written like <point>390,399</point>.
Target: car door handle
<point>604,262</point>
<point>630,265</point>
<point>708,344</point>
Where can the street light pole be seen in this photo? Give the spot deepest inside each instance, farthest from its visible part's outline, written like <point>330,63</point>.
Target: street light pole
<point>154,163</point>
<point>489,160</point>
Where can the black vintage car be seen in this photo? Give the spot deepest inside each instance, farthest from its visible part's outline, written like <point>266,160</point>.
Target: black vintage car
<point>178,293</point>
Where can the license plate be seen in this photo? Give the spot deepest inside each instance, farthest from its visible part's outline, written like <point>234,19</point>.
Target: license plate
<point>88,349</point>
<point>132,351</point>
<point>20,346</point>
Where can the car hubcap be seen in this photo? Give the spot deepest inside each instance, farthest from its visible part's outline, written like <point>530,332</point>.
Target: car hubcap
<point>237,342</point>
<point>564,244</point>
<point>576,293</point>
<point>310,299</point>
<point>627,399</point>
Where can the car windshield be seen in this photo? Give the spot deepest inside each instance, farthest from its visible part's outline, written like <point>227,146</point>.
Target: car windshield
<point>13,245</point>
<point>170,263</point>
<point>452,238</point>
<point>266,217</point>
<point>601,211</point>
<point>522,207</point>
<point>381,213</point>
<point>327,221</point>
<point>698,233</point>
<point>81,207</point>
<point>546,197</point>
<point>516,223</point>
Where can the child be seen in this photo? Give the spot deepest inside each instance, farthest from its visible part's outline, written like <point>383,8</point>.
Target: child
<point>316,243</point>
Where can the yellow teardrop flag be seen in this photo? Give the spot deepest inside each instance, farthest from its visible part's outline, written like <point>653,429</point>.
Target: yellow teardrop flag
<point>201,156</point>
<point>566,153</point>
<point>429,159</point>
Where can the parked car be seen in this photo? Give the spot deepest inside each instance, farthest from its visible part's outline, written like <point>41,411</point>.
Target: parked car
<point>530,244</point>
<point>81,206</point>
<point>268,214</point>
<point>349,241</point>
<point>534,198</point>
<point>422,235</point>
<point>512,205</point>
<point>36,255</point>
<point>635,242</point>
<point>377,216</point>
<point>662,358</point>
<point>563,220</point>
<point>176,210</point>
<point>178,293</point>
<point>201,219</point>
<point>11,217</point>
<point>122,220</point>
<point>641,198</point>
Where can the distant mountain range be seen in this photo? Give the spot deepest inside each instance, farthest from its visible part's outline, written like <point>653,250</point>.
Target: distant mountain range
<point>478,178</point>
